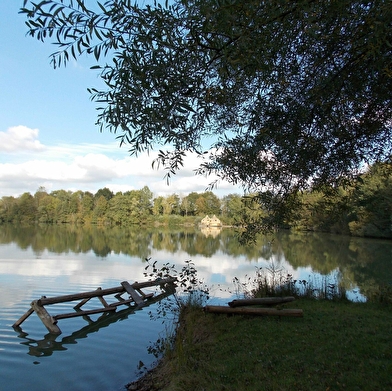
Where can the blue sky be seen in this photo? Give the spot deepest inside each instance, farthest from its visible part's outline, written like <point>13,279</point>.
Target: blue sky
<point>48,135</point>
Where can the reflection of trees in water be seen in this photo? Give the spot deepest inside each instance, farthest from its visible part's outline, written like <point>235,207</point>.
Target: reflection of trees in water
<point>323,253</point>
<point>359,260</point>
<point>134,241</point>
<point>362,262</point>
<point>193,242</point>
<point>372,265</point>
<point>211,231</point>
<point>253,251</point>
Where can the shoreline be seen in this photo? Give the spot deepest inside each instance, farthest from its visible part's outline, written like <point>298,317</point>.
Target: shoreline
<point>317,351</point>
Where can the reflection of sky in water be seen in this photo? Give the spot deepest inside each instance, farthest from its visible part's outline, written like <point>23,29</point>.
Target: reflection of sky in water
<point>67,270</point>
<point>218,278</point>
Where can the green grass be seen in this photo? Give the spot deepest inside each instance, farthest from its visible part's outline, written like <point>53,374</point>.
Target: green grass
<point>337,345</point>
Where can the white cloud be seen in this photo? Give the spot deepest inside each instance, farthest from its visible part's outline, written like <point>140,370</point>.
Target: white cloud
<point>20,138</point>
<point>89,167</point>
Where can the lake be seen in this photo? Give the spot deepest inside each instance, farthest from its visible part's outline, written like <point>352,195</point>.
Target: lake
<point>59,260</point>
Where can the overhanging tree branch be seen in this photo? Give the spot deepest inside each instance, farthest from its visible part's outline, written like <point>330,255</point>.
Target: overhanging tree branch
<point>305,82</point>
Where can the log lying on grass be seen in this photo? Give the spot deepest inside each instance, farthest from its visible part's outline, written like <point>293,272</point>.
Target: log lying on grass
<point>218,309</point>
<point>261,301</point>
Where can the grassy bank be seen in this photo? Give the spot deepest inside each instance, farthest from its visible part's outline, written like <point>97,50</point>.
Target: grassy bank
<point>337,345</point>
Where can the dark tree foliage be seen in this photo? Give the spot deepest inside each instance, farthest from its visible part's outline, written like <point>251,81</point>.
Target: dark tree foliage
<point>290,94</point>
<point>105,192</point>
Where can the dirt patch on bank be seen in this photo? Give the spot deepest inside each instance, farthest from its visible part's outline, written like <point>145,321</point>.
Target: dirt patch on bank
<point>152,380</point>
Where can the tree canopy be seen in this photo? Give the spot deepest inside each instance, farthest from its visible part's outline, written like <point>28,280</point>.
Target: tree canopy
<point>363,209</point>
<point>277,95</point>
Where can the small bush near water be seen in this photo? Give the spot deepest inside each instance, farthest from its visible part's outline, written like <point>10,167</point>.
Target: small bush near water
<point>337,345</point>
<point>190,292</point>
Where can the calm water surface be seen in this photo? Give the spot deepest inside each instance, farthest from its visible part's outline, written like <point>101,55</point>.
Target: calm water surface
<point>53,261</point>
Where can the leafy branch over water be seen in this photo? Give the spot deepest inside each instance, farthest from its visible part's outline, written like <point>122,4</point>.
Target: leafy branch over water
<point>190,289</point>
<point>190,292</point>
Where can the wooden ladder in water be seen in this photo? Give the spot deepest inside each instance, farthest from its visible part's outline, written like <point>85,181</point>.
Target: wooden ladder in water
<point>136,297</point>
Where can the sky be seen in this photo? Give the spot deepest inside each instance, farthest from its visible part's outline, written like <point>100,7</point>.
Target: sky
<point>48,136</point>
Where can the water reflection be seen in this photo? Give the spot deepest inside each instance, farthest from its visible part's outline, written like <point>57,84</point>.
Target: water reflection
<point>366,263</point>
<point>210,231</point>
<point>358,262</point>
<point>57,260</point>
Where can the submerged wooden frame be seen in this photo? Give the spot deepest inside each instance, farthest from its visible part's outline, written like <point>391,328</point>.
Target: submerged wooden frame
<point>136,297</point>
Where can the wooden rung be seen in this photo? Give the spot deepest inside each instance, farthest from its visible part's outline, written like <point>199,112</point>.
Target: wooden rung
<point>147,295</point>
<point>83,302</point>
<point>122,302</point>
<point>118,296</point>
<point>23,318</point>
<point>83,313</point>
<point>102,300</point>
<point>132,291</point>
<point>144,295</point>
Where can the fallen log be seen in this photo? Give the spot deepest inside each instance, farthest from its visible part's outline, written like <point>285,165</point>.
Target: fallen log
<point>261,301</point>
<point>218,309</point>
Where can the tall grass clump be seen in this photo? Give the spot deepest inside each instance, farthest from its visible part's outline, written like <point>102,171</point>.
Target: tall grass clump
<point>381,294</point>
<point>275,281</point>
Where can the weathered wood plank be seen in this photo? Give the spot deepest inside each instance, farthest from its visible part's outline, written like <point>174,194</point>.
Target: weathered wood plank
<point>261,301</point>
<point>47,320</point>
<point>253,311</point>
<point>103,292</point>
<point>121,302</point>
<point>159,281</point>
<point>132,291</point>
<point>80,296</point>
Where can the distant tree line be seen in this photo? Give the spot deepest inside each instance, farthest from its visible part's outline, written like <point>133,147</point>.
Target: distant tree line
<point>106,208</point>
<point>361,209</point>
